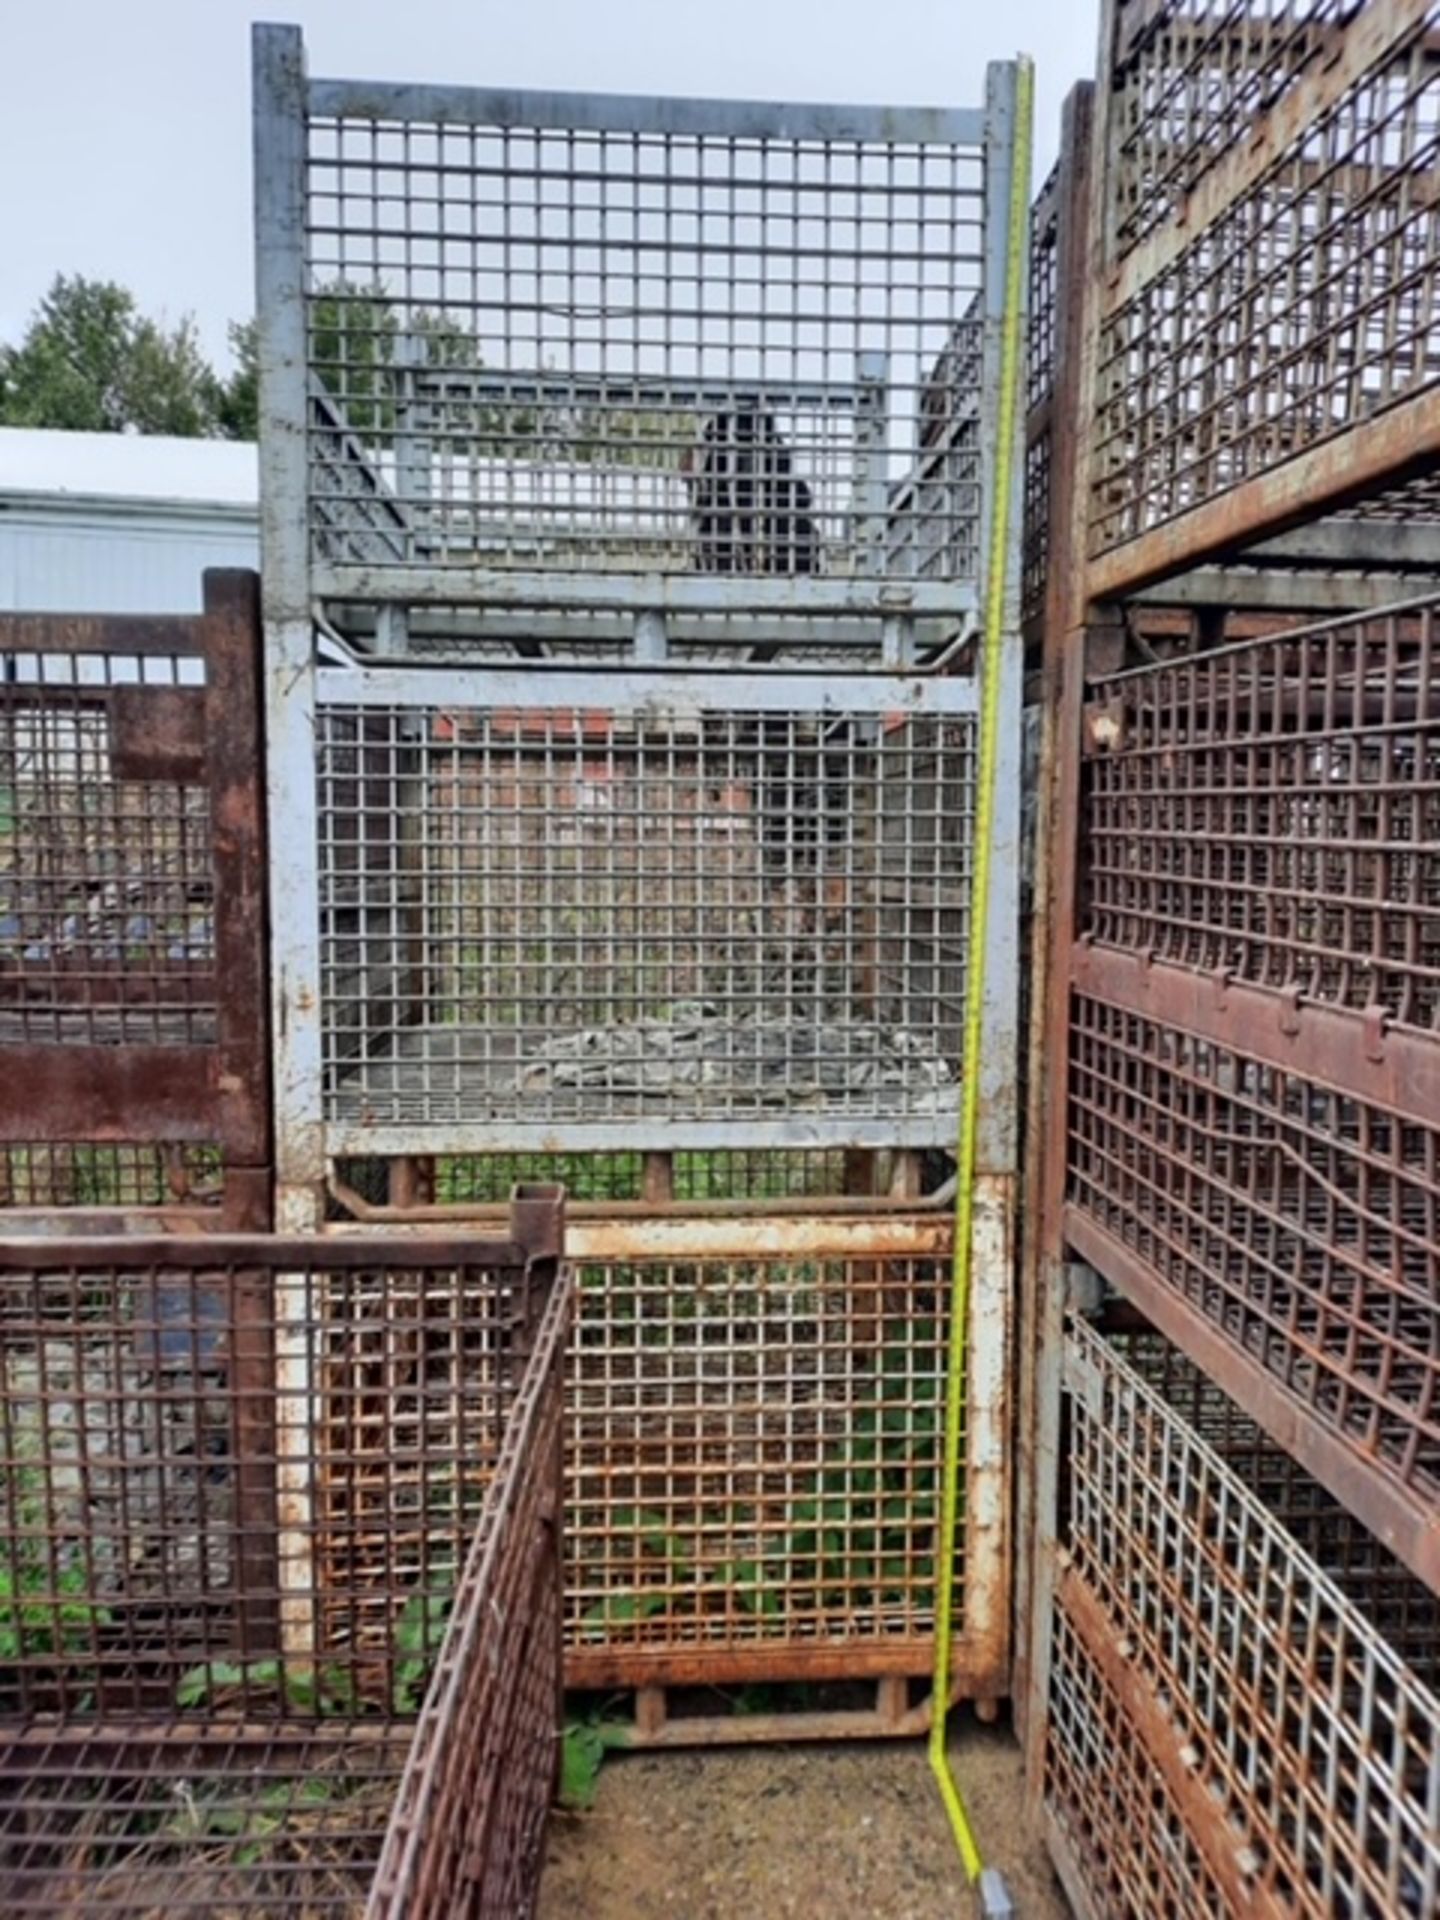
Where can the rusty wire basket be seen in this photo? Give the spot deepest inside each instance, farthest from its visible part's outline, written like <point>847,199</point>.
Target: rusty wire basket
<point>254,1493</point>
<point>1242,1712</point>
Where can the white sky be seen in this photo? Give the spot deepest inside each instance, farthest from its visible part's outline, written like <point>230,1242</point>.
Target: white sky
<point>125,129</point>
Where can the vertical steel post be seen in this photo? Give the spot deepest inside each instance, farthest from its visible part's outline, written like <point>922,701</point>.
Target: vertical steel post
<point>279,146</point>
<point>988,1452</point>
<point>1042,1267</point>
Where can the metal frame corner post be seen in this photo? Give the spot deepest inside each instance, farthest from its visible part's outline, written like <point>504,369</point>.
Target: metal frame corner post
<point>989,1482</point>
<point>280,101</point>
<point>1042,1302</point>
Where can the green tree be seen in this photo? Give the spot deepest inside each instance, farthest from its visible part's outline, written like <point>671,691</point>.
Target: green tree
<point>353,331</point>
<point>90,360</point>
<point>238,401</point>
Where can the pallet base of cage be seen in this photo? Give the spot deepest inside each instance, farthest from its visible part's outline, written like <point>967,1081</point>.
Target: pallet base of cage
<point>892,1707</point>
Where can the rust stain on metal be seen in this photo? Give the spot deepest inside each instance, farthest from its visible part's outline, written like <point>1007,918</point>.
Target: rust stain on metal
<point>134,1014</point>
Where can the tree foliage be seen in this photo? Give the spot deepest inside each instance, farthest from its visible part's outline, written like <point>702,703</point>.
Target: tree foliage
<point>91,361</point>
<point>239,400</point>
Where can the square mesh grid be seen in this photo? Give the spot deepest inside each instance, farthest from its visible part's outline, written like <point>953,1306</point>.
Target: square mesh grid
<point>1122,1826</point>
<point>1272,811</point>
<point>1041,347</point>
<point>1185,75</point>
<point>230,1826</point>
<point>753,1463</point>
<point>643,911</point>
<point>103,1173</point>
<point>1400,1607</point>
<point>222,1597</point>
<point>717,1175</point>
<point>1305,306</point>
<point>106,876</point>
<point>1302,1223</point>
<point>1292,1720</point>
<point>709,345</point>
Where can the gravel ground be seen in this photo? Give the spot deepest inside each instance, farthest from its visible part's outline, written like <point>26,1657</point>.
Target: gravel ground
<point>769,1833</point>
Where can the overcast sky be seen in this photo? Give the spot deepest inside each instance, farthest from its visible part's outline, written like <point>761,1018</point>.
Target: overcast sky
<point>125,133</point>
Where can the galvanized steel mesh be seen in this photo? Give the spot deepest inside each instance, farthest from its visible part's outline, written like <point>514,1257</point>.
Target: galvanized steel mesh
<point>1395,1603</point>
<point>240,1481</point>
<point>1271,813</point>
<point>672,904</point>
<point>1304,304</point>
<point>1120,1823</point>
<point>753,1463</point>
<point>1292,1759</point>
<point>547,332</point>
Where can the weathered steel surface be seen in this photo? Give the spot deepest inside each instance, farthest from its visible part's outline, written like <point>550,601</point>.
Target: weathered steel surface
<point>1220,1693</point>
<point>1353,1050</point>
<point>1061,645</point>
<point>1407,1522</point>
<point>1240,1068</point>
<point>467,1830</point>
<point>266,1489</point>
<point>132,1016</point>
<point>1246,378</point>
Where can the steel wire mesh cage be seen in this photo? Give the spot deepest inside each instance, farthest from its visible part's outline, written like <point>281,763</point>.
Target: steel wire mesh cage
<point>254,1491</point>
<point>754,1467</point>
<point>131,868</point>
<point>570,925</point>
<point>1251,1131</point>
<point>516,345</point>
<point>583,334</point>
<point>1271,812</point>
<point>1241,1707</point>
<point>675,387</point>
<point>1296,300</point>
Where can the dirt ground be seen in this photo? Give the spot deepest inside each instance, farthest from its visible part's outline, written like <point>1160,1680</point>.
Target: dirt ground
<point>769,1833</point>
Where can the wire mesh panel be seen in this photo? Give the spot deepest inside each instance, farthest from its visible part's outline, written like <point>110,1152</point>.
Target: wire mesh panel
<point>107,922</point>
<point>1398,1605</point>
<point>1271,812</point>
<point>468,1826</point>
<point>717,1175</point>
<point>107,1173</point>
<point>574,334</point>
<point>1300,1222</point>
<point>754,1451</point>
<point>130,877</point>
<point>1185,74</point>
<point>222,1593</point>
<point>1304,303</point>
<point>673,901</point>
<point>1229,1733</point>
<point>1041,342</point>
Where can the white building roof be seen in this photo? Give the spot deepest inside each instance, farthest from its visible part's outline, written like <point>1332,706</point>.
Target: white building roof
<point>40,463</point>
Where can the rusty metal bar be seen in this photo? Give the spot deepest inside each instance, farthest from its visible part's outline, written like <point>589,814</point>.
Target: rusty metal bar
<point>1052,926</point>
<point>1373,454</point>
<point>1348,1049</point>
